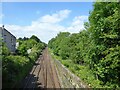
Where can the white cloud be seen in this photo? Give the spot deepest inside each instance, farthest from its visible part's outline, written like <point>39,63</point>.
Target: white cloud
<point>47,27</point>
<point>77,24</point>
<point>54,18</point>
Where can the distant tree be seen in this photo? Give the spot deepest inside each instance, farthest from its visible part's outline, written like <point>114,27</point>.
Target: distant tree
<point>25,38</point>
<point>35,38</point>
<point>20,38</point>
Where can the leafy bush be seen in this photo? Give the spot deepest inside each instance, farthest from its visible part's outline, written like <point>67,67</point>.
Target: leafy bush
<point>15,68</point>
<point>97,46</point>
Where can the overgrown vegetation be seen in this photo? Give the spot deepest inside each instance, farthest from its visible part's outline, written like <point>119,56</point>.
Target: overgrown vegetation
<point>16,66</point>
<point>96,49</point>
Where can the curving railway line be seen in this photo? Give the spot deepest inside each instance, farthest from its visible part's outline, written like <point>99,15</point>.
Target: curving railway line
<point>43,74</point>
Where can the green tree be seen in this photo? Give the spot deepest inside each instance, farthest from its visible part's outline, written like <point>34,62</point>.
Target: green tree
<point>104,27</point>
<point>97,46</point>
<point>35,38</point>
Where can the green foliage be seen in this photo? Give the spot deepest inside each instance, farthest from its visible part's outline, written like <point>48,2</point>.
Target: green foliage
<point>104,27</point>
<point>23,50</point>
<point>29,44</point>
<point>98,46</point>
<point>25,45</point>
<point>13,67</point>
<point>35,38</point>
<point>16,67</point>
<point>5,50</point>
<point>82,71</point>
<point>36,51</point>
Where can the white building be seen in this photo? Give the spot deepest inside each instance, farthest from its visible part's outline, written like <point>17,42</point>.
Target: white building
<point>8,39</point>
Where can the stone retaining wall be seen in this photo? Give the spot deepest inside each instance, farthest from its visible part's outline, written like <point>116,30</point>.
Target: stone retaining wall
<point>67,78</point>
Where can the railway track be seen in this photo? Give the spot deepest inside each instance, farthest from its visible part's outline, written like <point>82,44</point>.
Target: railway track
<point>31,78</point>
<point>42,74</point>
<point>49,73</point>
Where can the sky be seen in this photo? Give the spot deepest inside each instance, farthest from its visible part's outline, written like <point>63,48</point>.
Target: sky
<point>44,19</point>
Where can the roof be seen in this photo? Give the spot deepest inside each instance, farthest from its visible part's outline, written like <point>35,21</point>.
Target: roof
<point>7,31</point>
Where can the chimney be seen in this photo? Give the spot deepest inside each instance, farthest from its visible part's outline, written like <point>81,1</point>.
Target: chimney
<point>2,26</point>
